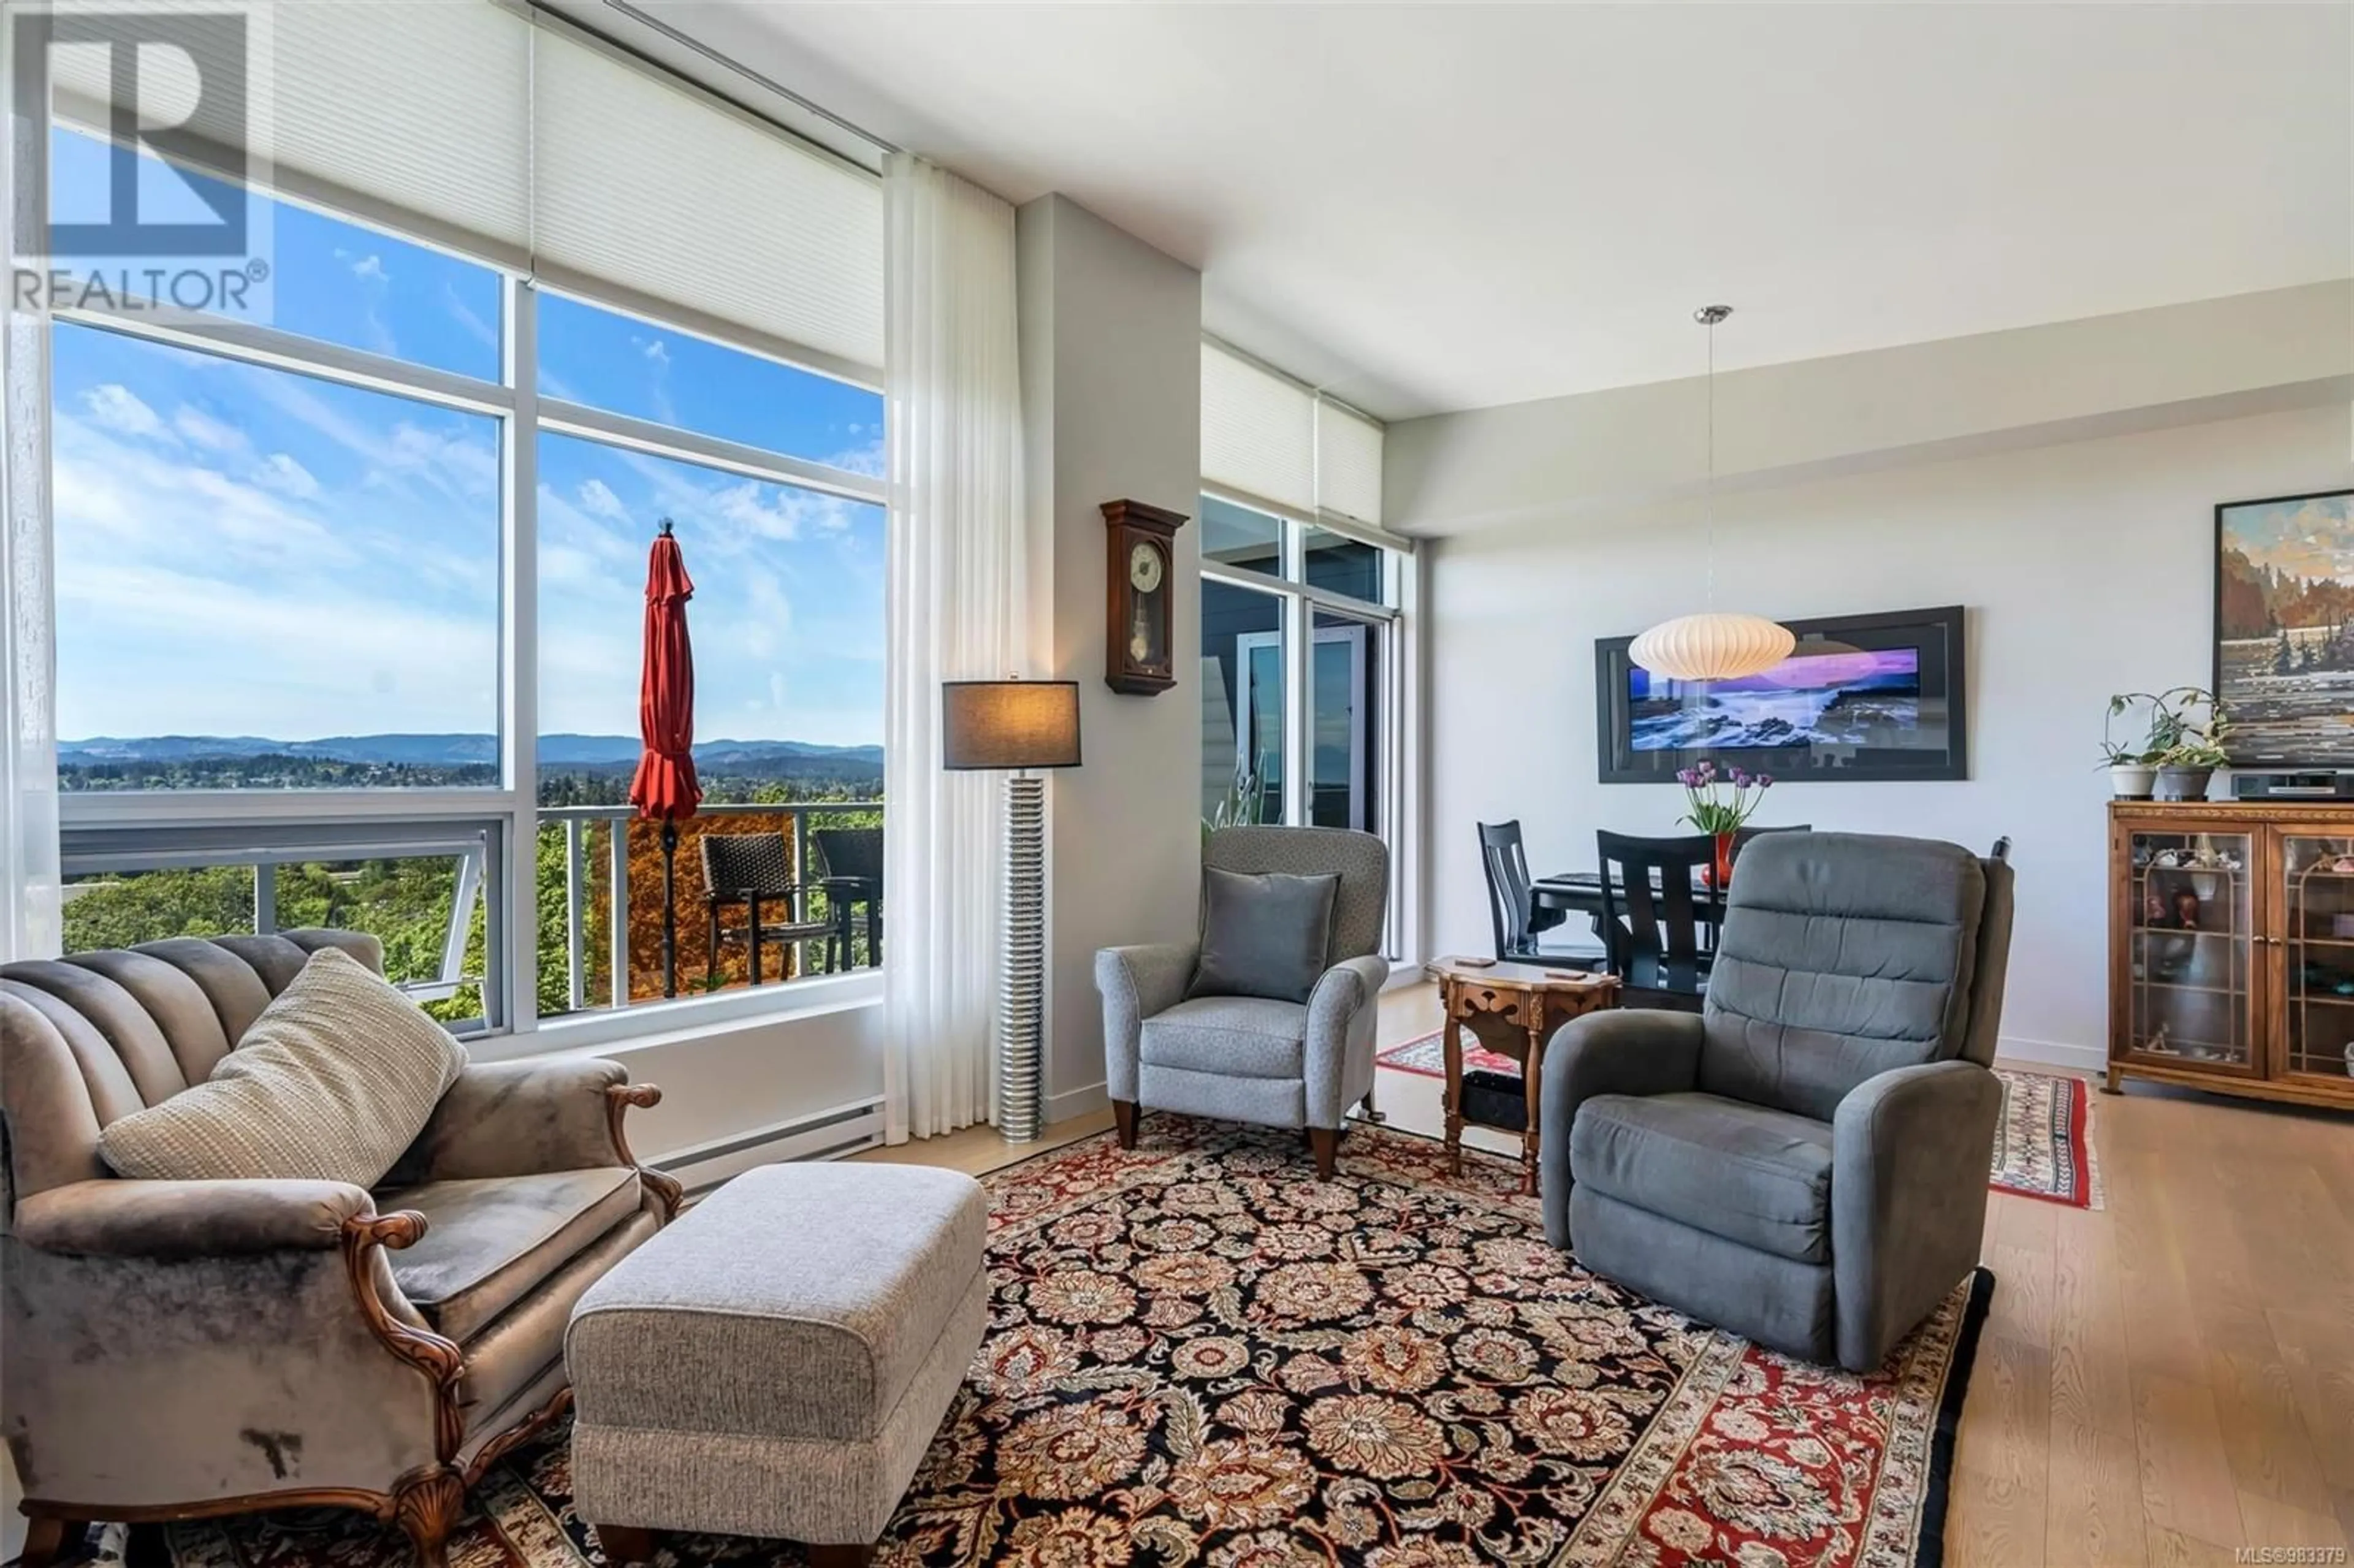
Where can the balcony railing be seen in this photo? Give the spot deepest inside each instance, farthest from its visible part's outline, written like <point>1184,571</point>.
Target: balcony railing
<point>427,894</point>
<point>607,859</point>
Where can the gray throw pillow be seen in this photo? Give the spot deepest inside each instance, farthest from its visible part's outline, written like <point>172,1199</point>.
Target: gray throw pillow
<point>1264,935</point>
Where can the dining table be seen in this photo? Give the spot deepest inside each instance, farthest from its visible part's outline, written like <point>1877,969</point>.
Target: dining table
<point>1671,981</point>
<point>1581,891</point>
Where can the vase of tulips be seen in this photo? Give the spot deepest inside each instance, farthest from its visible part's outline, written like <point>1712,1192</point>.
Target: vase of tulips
<point>1718,803</point>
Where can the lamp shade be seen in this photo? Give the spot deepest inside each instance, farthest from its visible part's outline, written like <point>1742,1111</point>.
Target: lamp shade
<point>1005,725</point>
<point>1714,646</point>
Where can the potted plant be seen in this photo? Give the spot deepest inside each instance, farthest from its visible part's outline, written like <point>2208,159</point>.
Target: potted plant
<point>2192,747</point>
<point>1244,804</point>
<point>2133,770</point>
<point>1718,804</point>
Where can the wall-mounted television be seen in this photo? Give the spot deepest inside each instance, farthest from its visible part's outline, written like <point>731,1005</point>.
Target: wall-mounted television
<point>1861,698</point>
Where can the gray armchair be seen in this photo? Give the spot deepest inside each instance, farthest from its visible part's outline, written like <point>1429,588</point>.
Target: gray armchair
<point>1277,1063</point>
<point>1805,1164</point>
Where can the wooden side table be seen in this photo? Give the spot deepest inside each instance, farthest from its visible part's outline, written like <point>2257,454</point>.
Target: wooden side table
<point>1512,1009</point>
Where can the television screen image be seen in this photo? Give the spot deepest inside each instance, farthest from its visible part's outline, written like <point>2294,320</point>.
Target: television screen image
<point>1852,697</point>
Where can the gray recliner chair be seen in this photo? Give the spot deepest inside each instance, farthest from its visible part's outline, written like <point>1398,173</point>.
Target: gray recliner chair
<point>1804,1164</point>
<point>1240,1058</point>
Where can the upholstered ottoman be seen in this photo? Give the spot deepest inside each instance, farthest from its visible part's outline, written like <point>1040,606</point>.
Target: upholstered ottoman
<point>776,1361</point>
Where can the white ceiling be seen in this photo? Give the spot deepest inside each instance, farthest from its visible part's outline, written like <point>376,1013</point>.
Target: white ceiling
<point>1432,207</point>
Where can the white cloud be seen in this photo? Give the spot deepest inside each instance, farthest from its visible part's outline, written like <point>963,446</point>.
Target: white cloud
<point>118,408</point>
<point>458,459</point>
<point>281,472</point>
<point>653,348</point>
<point>866,459</point>
<point>466,316</point>
<point>598,497</point>
<point>769,627</point>
<point>191,601</point>
<point>159,507</point>
<point>369,268</point>
<point>321,662</point>
<point>201,427</point>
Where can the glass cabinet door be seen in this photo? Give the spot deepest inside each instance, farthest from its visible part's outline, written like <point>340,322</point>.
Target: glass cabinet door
<point>2317,936</point>
<point>2192,949</point>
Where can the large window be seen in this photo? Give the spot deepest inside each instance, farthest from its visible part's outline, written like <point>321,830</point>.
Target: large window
<point>267,579</point>
<point>1299,676</point>
<point>1306,605</point>
<point>350,592</point>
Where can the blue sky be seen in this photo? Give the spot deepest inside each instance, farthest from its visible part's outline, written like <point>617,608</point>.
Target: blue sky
<point>246,551</point>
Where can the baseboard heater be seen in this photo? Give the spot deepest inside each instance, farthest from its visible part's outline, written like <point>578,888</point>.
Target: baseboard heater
<point>822,1135</point>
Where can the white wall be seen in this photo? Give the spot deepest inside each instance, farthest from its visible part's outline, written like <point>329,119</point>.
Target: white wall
<point>1889,407</point>
<point>2087,568</point>
<point>1111,345</point>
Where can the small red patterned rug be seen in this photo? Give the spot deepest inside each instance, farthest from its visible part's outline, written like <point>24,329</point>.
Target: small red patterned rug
<point>2042,1149</point>
<point>1199,1354</point>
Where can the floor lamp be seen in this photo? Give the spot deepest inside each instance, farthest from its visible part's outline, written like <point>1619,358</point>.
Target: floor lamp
<point>1016,727</point>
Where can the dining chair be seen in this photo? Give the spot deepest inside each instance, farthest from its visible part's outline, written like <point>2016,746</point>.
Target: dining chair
<point>1653,916</point>
<point>850,869</point>
<point>744,871</point>
<point>1512,912</point>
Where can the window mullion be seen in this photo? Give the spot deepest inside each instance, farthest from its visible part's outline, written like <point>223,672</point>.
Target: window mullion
<point>271,349</point>
<point>513,934</point>
<point>1299,643</point>
<point>707,452</point>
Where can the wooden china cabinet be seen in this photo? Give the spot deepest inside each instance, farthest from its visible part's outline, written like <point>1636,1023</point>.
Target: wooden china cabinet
<point>2231,947</point>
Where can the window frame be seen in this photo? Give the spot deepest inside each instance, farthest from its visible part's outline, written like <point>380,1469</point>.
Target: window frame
<point>401,815</point>
<point>1396,790</point>
<point>477,841</point>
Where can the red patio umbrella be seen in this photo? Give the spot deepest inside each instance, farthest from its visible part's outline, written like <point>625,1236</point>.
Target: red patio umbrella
<point>663,789</point>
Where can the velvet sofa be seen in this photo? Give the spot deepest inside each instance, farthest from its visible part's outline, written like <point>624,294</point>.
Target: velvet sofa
<point>180,1348</point>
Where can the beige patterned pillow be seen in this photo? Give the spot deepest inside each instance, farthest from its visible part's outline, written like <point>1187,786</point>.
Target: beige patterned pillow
<point>334,1079</point>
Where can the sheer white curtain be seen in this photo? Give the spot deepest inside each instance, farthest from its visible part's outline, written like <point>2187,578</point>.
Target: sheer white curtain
<point>30,924</point>
<point>955,610</point>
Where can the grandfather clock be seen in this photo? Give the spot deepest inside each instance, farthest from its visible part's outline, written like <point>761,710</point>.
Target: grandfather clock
<point>1139,653</point>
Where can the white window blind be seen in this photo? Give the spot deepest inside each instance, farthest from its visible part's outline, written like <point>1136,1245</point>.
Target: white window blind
<point>1258,431</point>
<point>1272,440</point>
<point>1348,463</point>
<point>531,146</point>
<point>642,184</point>
<point>416,108</point>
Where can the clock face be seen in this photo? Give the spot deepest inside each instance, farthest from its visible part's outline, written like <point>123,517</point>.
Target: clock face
<point>1144,567</point>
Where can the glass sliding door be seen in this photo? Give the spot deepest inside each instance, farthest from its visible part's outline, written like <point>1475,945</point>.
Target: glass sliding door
<point>1242,704</point>
<point>1305,695</point>
<point>1345,739</point>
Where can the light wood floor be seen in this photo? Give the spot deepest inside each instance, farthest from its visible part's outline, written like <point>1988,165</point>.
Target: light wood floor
<point>2163,1382</point>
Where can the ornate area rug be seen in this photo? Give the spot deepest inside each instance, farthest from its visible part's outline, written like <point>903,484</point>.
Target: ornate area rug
<point>2044,1147</point>
<point>1199,1354</point>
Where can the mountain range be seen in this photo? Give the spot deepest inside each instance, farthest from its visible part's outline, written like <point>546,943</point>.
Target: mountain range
<point>585,751</point>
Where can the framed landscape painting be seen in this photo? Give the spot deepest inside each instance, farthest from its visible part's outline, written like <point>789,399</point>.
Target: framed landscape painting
<point>1861,697</point>
<point>2285,629</point>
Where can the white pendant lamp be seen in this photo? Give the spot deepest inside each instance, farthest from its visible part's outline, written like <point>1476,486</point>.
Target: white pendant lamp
<point>1715,645</point>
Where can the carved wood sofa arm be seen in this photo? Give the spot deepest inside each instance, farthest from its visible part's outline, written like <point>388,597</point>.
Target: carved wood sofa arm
<point>532,1116</point>
<point>397,1325</point>
<point>619,1098</point>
